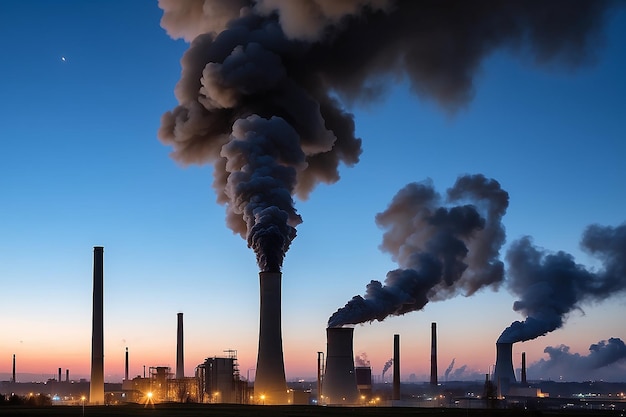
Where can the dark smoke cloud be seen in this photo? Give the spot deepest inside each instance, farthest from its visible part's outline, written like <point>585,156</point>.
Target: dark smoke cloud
<point>606,360</point>
<point>290,60</point>
<point>442,251</point>
<point>551,285</point>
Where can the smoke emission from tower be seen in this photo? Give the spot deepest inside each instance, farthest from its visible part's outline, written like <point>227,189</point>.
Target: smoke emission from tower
<point>442,249</point>
<point>180,359</point>
<point>96,385</point>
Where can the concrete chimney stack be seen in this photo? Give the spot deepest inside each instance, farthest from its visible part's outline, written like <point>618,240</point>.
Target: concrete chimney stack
<point>96,385</point>
<point>13,377</point>
<point>339,385</point>
<point>433,355</point>
<point>59,379</point>
<point>67,375</point>
<point>270,367</point>
<point>180,360</point>
<point>396,367</point>
<point>126,366</point>
<point>504,375</point>
<point>523,376</point>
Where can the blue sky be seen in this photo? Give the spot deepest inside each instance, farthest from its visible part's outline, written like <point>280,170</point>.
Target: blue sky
<point>82,166</point>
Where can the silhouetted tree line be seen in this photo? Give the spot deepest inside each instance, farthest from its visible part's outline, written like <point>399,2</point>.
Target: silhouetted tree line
<point>38,400</point>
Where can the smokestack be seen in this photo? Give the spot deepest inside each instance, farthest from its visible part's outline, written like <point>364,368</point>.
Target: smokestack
<point>126,366</point>
<point>339,386</point>
<point>67,375</point>
<point>96,385</point>
<point>319,377</point>
<point>433,355</point>
<point>504,375</point>
<point>396,367</point>
<point>59,379</point>
<point>523,377</point>
<point>270,367</point>
<point>13,378</point>
<point>180,360</point>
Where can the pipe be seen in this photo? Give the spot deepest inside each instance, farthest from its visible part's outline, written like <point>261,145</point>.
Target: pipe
<point>180,361</point>
<point>96,385</point>
<point>433,355</point>
<point>396,367</point>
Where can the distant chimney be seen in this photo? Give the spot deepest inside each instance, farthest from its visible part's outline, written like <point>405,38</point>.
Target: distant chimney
<point>396,367</point>
<point>67,375</point>
<point>180,360</point>
<point>126,366</point>
<point>13,378</point>
<point>339,384</point>
<point>96,385</point>
<point>59,379</point>
<point>523,367</point>
<point>433,354</point>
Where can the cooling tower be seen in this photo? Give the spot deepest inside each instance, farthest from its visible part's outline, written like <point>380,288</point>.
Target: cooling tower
<point>96,386</point>
<point>433,354</point>
<point>504,375</point>
<point>270,383</point>
<point>180,360</point>
<point>396,367</point>
<point>523,376</point>
<point>339,386</point>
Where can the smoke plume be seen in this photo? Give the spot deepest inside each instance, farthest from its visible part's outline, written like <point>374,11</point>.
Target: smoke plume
<point>606,360</point>
<point>361,360</point>
<point>290,63</point>
<point>386,367</point>
<point>442,250</point>
<point>449,368</point>
<point>551,285</point>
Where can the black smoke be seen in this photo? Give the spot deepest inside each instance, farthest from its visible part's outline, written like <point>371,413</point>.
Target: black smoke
<point>606,360</point>
<point>442,249</point>
<point>293,61</point>
<point>551,285</point>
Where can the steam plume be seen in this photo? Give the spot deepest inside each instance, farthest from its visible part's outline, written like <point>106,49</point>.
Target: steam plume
<point>606,360</point>
<point>449,368</point>
<point>286,62</point>
<point>551,285</point>
<point>361,360</point>
<point>386,367</point>
<point>442,250</point>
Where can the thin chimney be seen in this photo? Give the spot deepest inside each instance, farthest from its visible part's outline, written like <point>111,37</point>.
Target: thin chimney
<point>67,375</point>
<point>59,379</point>
<point>126,366</point>
<point>180,360</point>
<point>96,385</point>
<point>396,366</point>
<point>523,367</point>
<point>433,355</point>
<point>13,378</point>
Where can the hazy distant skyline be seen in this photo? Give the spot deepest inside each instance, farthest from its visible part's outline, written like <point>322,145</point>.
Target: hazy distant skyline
<point>84,88</point>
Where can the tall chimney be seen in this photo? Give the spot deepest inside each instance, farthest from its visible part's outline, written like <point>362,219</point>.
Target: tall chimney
<point>504,375</point>
<point>396,367</point>
<point>180,360</point>
<point>67,375</point>
<point>433,354</point>
<point>13,378</point>
<point>270,379</point>
<point>126,366</point>
<point>96,386</point>
<point>339,385</point>
<point>59,375</point>
<point>523,368</point>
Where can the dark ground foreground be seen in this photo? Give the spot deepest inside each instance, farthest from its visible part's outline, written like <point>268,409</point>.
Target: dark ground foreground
<point>223,410</point>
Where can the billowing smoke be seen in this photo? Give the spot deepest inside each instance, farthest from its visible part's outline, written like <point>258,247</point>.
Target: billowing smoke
<point>289,63</point>
<point>606,360</point>
<point>449,368</point>
<point>551,285</point>
<point>442,251</point>
<point>361,360</point>
<point>458,373</point>
<point>386,367</point>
